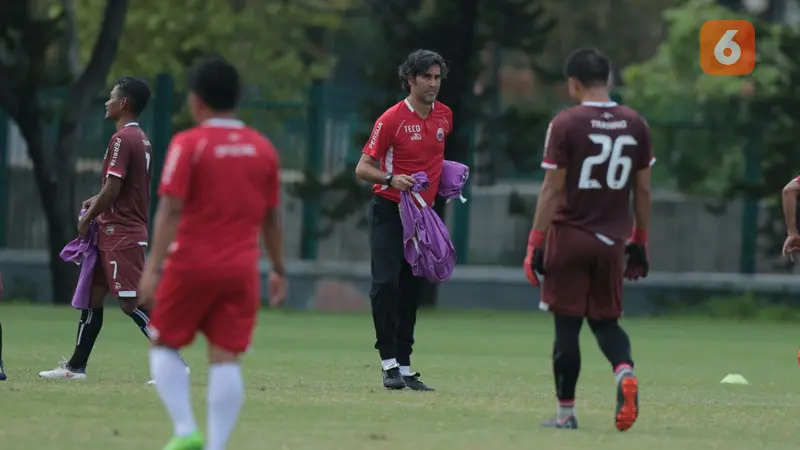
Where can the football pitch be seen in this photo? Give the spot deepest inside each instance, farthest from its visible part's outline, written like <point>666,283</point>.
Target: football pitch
<point>313,383</point>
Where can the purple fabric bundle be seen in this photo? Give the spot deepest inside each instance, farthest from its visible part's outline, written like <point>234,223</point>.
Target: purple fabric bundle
<point>454,177</point>
<point>426,241</point>
<point>83,252</point>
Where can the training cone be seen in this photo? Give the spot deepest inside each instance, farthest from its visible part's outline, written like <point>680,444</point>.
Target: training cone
<point>734,378</point>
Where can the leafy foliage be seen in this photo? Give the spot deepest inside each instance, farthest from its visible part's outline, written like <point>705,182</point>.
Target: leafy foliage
<point>277,46</point>
<point>723,137</point>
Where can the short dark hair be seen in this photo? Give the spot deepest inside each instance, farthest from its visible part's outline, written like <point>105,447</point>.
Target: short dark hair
<point>418,62</point>
<point>136,91</point>
<point>588,66</point>
<point>216,82</point>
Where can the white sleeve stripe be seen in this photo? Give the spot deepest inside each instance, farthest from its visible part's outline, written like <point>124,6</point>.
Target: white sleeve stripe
<point>118,175</point>
<point>549,166</point>
<point>652,161</point>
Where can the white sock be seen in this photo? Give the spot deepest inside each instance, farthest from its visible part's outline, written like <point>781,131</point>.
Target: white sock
<point>565,410</point>
<point>405,371</point>
<point>387,364</point>
<point>172,383</point>
<point>225,398</point>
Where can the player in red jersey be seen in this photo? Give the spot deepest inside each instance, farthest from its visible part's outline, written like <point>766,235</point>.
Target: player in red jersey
<point>595,155</point>
<point>407,138</point>
<point>121,210</point>
<point>219,189</point>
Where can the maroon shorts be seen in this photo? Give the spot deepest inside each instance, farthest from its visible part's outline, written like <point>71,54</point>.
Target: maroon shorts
<point>225,311</point>
<point>584,274</point>
<point>120,270</point>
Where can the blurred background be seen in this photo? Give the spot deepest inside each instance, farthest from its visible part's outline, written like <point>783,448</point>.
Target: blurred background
<point>319,73</point>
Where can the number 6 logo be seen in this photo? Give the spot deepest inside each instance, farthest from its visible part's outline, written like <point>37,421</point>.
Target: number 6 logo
<point>727,47</point>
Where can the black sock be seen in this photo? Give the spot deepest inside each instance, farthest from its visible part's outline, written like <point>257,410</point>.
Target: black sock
<point>88,329</point>
<point>613,341</point>
<point>1,344</point>
<point>567,358</point>
<point>141,317</point>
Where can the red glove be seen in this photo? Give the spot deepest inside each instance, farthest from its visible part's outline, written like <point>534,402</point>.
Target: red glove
<point>637,265</point>
<point>534,258</point>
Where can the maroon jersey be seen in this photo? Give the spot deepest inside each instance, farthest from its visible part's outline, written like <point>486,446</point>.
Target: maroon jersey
<point>601,146</point>
<point>127,157</point>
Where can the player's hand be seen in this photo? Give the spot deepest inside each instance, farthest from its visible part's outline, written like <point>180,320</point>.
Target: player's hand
<point>147,289</point>
<point>534,258</point>
<point>277,288</point>
<point>83,226</point>
<point>88,202</point>
<point>637,266</point>
<point>791,245</point>
<point>403,182</point>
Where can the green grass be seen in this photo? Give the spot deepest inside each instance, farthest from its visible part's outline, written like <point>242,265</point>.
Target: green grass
<point>313,383</point>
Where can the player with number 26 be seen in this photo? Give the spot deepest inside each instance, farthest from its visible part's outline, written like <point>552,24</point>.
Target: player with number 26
<point>596,155</point>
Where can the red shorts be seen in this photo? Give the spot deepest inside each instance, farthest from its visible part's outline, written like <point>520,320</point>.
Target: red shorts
<point>584,274</point>
<point>120,270</point>
<point>224,311</point>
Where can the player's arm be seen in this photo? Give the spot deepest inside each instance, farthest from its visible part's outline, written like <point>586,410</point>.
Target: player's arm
<point>174,188</point>
<point>379,142</point>
<point>550,195</point>
<point>120,152</point>
<point>642,191</point>
<point>271,228</point>
<point>165,227</point>
<point>554,162</point>
<point>789,198</point>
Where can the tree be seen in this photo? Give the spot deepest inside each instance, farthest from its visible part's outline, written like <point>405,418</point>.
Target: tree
<point>737,134</point>
<point>29,31</point>
<point>279,47</point>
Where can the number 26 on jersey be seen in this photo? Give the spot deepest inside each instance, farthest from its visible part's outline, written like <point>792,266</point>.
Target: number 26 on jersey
<point>619,165</point>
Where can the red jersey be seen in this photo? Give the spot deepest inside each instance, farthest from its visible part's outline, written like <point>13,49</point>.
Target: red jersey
<point>127,157</point>
<point>405,143</point>
<point>601,146</point>
<point>227,175</point>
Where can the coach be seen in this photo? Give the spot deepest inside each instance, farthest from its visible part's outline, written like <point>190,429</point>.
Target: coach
<point>407,138</point>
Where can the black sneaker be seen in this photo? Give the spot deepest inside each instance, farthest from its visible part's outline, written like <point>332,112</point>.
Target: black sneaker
<point>2,372</point>
<point>392,378</point>
<point>413,383</point>
<point>569,423</point>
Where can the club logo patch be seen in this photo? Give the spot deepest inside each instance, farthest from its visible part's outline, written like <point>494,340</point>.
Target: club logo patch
<point>440,134</point>
<point>109,231</point>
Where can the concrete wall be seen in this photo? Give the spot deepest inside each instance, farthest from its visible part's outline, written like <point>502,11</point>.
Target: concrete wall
<point>684,236</point>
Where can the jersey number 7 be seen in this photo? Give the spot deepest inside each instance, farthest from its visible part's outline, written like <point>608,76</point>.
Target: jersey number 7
<point>619,165</point>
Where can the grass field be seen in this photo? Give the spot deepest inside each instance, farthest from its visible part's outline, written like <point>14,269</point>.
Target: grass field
<point>313,383</point>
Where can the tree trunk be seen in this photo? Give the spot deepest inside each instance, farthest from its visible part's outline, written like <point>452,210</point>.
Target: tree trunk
<point>56,200</point>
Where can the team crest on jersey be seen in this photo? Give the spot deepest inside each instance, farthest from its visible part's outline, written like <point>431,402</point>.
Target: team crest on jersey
<point>440,134</point>
<point>109,231</point>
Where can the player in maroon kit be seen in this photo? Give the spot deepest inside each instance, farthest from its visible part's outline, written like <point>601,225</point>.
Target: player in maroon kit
<point>595,155</point>
<point>121,210</point>
<point>407,138</point>
<point>219,190</point>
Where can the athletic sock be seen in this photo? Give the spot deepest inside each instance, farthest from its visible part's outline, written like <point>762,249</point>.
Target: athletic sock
<point>566,408</point>
<point>387,364</point>
<point>172,384</point>
<point>622,370</point>
<point>225,399</point>
<point>88,329</point>
<point>141,317</point>
<point>1,344</point>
